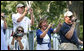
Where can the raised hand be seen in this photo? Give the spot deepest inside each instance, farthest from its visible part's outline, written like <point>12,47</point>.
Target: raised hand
<point>50,25</point>
<point>31,10</point>
<point>26,9</point>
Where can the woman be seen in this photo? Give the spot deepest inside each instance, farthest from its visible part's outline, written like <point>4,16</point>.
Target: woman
<point>17,41</point>
<point>44,35</point>
<point>3,26</point>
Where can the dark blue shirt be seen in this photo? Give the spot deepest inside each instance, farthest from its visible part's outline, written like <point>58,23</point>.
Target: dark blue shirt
<point>64,29</point>
<point>39,32</point>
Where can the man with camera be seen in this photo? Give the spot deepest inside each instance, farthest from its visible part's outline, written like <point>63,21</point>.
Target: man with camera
<point>68,34</point>
<point>17,42</point>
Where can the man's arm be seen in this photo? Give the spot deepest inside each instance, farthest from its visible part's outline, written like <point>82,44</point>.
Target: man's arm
<point>58,28</point>
<point>69,34</point>
<point>32,18</point>
<point>22,16</point>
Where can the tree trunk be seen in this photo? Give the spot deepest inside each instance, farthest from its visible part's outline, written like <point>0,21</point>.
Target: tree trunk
<point>76,8</point>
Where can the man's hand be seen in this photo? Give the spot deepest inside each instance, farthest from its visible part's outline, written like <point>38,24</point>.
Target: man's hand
<point>60,24</point>
<point>26,9</point>
<point>81,42</point>
<point>74,23</point>
<point>31,10</point>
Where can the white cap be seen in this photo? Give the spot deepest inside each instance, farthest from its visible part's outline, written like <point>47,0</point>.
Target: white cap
<point>68,13</point>
<point>20,5</point>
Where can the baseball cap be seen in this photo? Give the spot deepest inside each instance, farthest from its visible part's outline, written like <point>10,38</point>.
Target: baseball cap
<point>68,13</point>
<point>20,5</point>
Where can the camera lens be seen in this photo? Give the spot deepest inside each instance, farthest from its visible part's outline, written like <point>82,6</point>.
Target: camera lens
<point>74,20</point>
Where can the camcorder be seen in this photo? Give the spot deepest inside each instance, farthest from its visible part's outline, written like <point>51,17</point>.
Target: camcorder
<point>18,35</point>
<point>73,20</point>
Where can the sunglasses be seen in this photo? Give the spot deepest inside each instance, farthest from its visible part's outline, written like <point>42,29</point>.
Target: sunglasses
<point>70,17</point>
<point>20,30</point>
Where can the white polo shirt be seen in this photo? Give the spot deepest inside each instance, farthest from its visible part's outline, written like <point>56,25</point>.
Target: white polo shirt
<point>24,43</point>
<point>25,23</point>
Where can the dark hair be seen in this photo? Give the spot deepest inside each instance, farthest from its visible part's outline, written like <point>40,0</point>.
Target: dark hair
<point>41,21</point>
<point>20,27</point>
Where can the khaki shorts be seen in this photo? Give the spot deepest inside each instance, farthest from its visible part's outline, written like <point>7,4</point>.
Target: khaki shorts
<point>68,46</point>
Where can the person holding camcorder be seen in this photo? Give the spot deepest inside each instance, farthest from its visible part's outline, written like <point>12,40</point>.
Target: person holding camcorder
<point>68,33</point>
<point>17,42</point>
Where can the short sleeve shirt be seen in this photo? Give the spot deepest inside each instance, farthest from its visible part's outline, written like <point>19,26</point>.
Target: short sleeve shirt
<point>25,23</point>
<point>64,29</point>
<point>39,32</point>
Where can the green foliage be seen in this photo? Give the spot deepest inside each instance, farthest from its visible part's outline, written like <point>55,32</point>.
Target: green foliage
<point>55,11</point>
<point>55,14</point>
<point>9,7</point>
<point>39,8</point>
<point>81,32</point>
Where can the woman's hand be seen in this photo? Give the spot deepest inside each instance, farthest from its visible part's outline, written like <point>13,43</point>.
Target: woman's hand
<point>49,26</point>
<point>18,38</point>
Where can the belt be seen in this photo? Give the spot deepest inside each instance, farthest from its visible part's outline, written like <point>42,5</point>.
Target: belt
<point>43,43</point>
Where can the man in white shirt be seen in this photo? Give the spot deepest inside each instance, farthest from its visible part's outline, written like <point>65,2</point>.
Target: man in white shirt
<point>20,19</point>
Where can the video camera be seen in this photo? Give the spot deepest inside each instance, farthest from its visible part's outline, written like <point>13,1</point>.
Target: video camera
<point>73,20</point>
<point>18,35</point>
